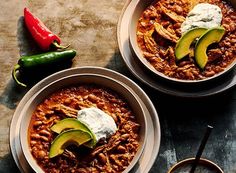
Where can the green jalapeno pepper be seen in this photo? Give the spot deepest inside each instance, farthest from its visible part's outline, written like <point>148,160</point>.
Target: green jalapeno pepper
<point>30,62</point>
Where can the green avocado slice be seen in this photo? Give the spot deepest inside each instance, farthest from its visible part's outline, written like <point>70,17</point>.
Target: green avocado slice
<point>71,123</point>
<point>182,48</point>
<point>77,137</point>
<point>213,35</point>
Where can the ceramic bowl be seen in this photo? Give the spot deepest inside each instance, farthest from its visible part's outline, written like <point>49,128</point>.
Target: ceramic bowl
<point>186,165</point>
<point>76,79</point>
<point>136,51</point>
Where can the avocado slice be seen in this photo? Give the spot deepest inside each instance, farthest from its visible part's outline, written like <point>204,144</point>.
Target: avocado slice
<point>67,138</point>
<point>213,35</point>
<point>182,48</point>
<point>71,123</point>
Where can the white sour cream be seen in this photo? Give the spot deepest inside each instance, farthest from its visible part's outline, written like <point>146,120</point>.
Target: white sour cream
<point>202,15</point>
<point>100,123</point>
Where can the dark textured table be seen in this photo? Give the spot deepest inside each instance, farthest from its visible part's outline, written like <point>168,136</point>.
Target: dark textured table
<point>90,27</point>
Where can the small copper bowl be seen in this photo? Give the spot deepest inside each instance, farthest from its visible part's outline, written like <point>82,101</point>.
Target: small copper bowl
<point>188,163</point>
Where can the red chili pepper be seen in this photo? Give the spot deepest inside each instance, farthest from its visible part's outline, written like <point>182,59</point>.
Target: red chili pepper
<point>41,34</point>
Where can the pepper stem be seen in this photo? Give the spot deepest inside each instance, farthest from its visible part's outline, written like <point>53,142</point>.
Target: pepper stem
<point>17,67</point>
<point>56,45</point>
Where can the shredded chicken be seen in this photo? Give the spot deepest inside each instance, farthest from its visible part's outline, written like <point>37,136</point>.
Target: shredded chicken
<point>151,11</point>
<point>98,150</point>
<point>150,43</point>
<point>172,15</point>
<point>214,54</point>
<point>152,58</point>
<point>165,33</point>
<point>69,154</point>
<point>148,55</point>
<point>69,112</point>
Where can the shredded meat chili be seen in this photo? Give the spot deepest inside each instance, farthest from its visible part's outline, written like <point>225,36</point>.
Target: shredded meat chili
<point>159,29</point>
<point>112,155</point>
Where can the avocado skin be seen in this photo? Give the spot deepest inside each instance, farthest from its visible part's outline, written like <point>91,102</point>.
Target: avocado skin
<point>71,123</point>
<point>182,48</point>
<point>64,139</point>
<point>213,35</point>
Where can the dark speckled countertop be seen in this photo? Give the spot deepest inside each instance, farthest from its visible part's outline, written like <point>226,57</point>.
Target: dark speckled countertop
<point>90,27</point>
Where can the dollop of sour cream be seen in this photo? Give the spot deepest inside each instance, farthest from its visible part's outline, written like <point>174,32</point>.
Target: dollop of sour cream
<point>100,123</point>
<point>202,15</point>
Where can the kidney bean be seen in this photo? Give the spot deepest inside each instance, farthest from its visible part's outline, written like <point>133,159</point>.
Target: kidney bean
<point>37,123</point>
<point>178,10</point>
<point>32,143</point>
<point>44,138</point>
<point>209,73</point>
<point>233,41</point>
<point>67,101</point>
<point>93,98</point>
<point>35,136</point>
<point>44,132</point>
<point>102,158</point>
<point>41,154</point>
<point>121,149</point>
<point>124,137</point>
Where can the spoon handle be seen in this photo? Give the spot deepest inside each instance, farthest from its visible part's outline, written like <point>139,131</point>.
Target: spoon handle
<point>201,148</point>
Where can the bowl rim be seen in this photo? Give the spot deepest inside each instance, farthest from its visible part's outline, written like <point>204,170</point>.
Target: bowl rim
<point>191,160</point>
<point>24,138</point>
<point>136,51</point>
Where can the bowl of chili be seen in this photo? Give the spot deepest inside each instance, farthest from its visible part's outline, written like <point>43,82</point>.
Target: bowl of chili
<point>121,151</point>
<point>155,52</point>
